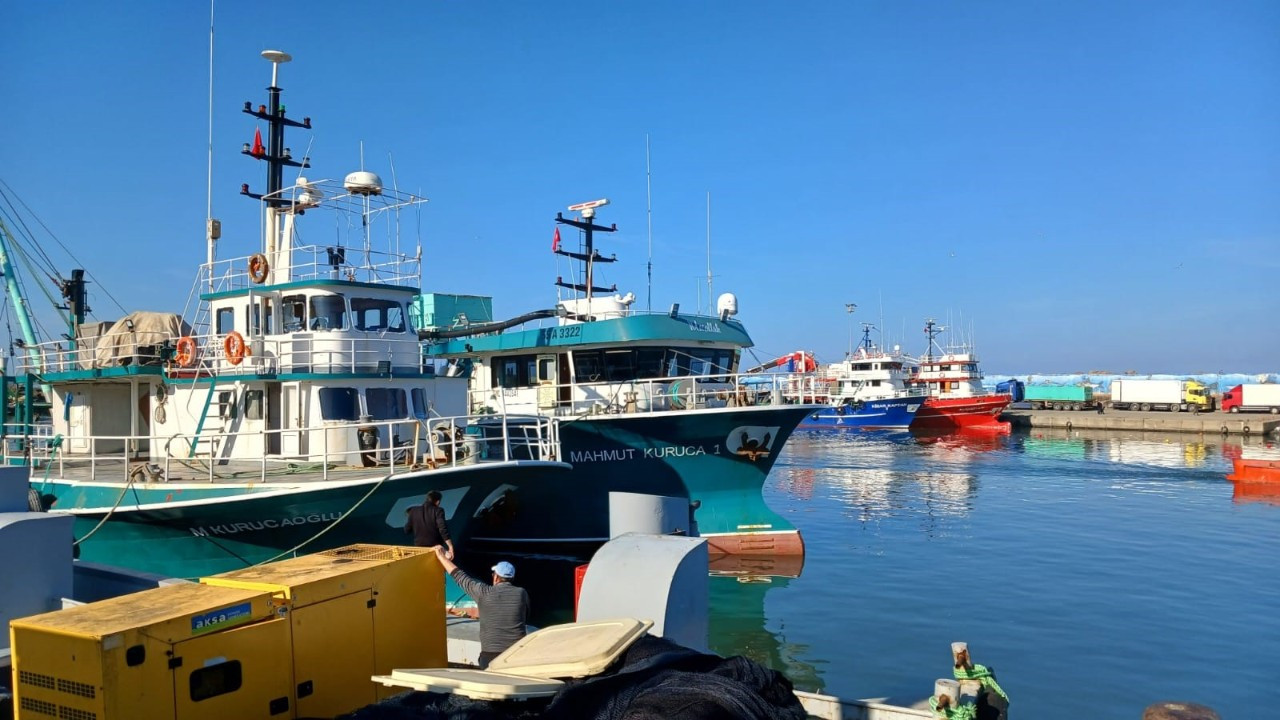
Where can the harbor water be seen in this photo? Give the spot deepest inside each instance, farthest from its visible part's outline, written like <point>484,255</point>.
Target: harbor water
<point>1096,571</point>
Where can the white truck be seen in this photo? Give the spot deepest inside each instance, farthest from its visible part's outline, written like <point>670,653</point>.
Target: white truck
<point>1257,398</point>
<point>1172,395</point>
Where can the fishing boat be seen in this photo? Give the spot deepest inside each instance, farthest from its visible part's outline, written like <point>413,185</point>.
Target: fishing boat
<point>868,390</point>
<point>956,397</point>
<point>650,402</point>
<point>290,410</point>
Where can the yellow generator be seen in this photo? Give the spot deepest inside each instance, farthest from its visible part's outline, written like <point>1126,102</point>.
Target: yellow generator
<point>297,638</point>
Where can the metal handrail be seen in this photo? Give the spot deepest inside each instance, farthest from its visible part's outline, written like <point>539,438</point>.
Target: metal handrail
<point>517,438</point>
<point>347,350</point>
<point>656,394</point>
<point>311,262</point>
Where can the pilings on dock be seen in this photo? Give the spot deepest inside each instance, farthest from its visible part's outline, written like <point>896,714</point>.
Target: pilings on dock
<point>1214,423</point>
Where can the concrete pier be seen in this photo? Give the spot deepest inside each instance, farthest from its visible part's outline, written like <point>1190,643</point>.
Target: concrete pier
<point>1214,423</point>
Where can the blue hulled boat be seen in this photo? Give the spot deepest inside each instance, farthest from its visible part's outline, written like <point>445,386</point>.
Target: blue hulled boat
<point>867,390</point>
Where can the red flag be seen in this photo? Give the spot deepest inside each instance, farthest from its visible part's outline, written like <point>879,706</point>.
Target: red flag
<point>257,142</point>
<point>555,241</point>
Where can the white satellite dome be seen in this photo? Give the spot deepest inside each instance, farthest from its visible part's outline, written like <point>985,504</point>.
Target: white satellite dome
<point>309,194</point>
<point>727,304</point>
<point>363,182</point>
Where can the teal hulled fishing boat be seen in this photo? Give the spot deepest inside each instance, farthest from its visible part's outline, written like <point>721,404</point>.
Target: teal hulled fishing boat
<point>291,410</point>
<point>648,402</point>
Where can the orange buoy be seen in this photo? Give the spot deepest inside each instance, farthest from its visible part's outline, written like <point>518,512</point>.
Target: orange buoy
<point>258,268</point>
<point>185,355</point>
<point>233,347</point>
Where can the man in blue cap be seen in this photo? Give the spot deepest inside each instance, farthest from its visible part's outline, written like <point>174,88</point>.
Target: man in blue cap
<point>502,606</point>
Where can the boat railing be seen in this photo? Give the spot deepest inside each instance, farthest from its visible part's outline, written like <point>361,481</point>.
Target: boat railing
<point>316,351</point>
<point>317,262</point>
<point>686,392</point>
<point>335,449</point>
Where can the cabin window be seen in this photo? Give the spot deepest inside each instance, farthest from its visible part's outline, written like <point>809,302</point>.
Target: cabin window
<point>515,371</point>
<point>252,404</point>
<point>328,312</point>
<point>226,320</point>
<point>294,311</point>
<point>547,370</point>
<point>419,403</point>
<point>620,365</point>
<point>386,403</point>
<point>227,405</point>
<point>588,366</point>
<point>373,315</point>
<point>649,363</point>
<point>698,362</point>
<point>267,325</point>
<point>339,404</point>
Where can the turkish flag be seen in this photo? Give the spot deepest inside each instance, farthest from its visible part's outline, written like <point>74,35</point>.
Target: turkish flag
<point>555,241</point>
<point>257,142</point>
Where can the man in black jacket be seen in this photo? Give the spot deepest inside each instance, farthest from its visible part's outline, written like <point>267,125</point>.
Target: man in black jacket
<point>426,524</point>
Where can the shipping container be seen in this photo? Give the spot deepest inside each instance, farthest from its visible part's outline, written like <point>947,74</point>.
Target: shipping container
<point>1059,397</point>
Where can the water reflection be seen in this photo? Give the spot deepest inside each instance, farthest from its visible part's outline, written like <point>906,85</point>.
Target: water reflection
<point>1155,449</point>
<point>750,568</point>
<point>739,625</point>
<point>879,475</point>
<point>1267,493</point>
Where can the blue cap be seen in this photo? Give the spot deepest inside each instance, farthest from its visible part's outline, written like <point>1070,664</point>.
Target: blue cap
<point>505,569</point>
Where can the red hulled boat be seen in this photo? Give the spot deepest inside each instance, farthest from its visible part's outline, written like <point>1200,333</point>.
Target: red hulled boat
<point>956,398</point>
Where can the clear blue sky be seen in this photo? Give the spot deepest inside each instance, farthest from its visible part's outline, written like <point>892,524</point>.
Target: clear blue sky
<point>1089,185</point>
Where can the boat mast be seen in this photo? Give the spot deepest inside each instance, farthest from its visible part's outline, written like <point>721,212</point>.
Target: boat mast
<point>276,155</point>
<point>866,337</point>
<point>591,256</point>
<point>648,193</point>
<point>932,330</point>
<point>213,228</point>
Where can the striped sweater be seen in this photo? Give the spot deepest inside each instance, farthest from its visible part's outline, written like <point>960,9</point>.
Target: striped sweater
<point>503,609</point>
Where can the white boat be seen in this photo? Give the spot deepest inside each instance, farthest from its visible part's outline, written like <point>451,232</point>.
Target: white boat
<point>290,410</point>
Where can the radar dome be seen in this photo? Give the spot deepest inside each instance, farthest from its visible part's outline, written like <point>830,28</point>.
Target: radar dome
<point>363,182</point>
<point>727,304</point>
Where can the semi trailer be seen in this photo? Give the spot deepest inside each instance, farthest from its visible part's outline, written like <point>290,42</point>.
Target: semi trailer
<point>1252,398</point>
<point>1171,395</point>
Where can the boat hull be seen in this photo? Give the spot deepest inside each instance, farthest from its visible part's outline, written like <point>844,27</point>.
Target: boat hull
<point>979,412</point>
<point>206,530</point>
<point>885,414</point>
<point>717,458</point>
<point>1255,471</point>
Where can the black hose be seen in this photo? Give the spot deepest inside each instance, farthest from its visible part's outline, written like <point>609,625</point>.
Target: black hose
<point>482,328</point>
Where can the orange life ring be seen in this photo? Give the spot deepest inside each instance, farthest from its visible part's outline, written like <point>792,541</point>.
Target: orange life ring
<point>233,347</point>
<point>185,355</point>
<point>258,268</point>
